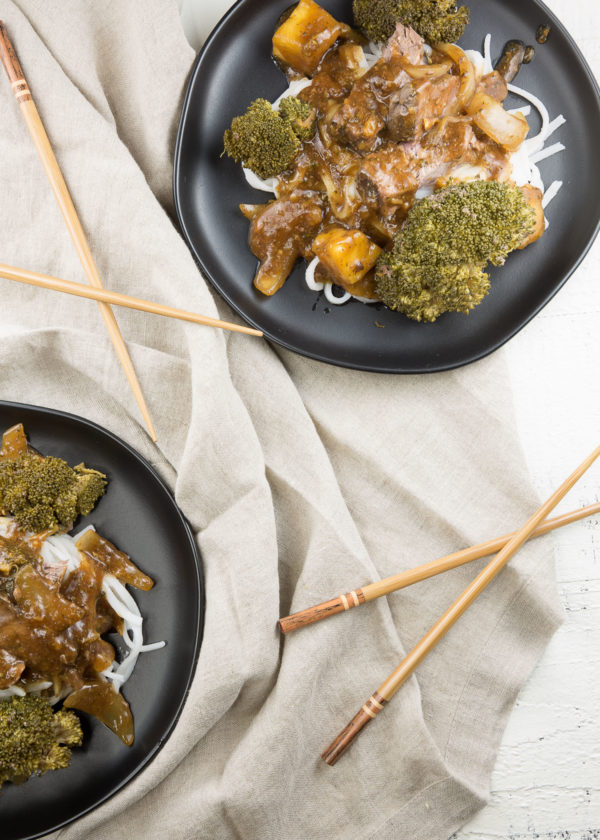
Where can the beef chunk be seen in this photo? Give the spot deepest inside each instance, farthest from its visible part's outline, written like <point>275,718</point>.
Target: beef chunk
<point>494,85</point>
<point>386,176</point>
<point>389,177</point>
<point>362,116</point>
<point>404,43</point>
<point>417,105</point>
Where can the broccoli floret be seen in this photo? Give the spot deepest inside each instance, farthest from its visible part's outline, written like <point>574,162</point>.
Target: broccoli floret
<point>423,293</point>
<point>46,493</point>
<point>89,486</point>
<point>434,20</point>
<point>300,116</point>
<point>261,140</point>
<point>34,739</point>
<point>437,263</point>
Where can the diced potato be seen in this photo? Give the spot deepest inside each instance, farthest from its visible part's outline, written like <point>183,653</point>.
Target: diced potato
<point>365,288</point>
<point>305,36</point>
<point>533,197</point>
<point>346,254</point>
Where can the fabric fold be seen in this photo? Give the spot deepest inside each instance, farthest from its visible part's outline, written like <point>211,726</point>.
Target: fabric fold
<point>300,481</point>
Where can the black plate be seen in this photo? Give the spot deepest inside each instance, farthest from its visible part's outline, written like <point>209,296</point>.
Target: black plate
<point>235,67</point>
<point>140,516</point>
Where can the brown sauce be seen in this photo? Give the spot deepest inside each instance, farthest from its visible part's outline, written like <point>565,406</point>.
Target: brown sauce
<point>51,624</point>
<point>543,33</point>
<point>380,137</point>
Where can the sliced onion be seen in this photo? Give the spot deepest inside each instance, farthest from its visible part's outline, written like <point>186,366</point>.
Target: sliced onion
<point>468,80</point>
<point>427,71</point>
<point>508,130</point>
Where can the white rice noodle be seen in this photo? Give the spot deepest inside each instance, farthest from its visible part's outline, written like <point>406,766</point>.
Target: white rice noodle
<point>59,553</point>
<point>551,193</point>
<point>124,605</point>
<point>546,153</point>
<point>525,112</point>
<point>554,124</point>
<point>524,161</point>
<point>309,276</point>
<point>487,53</point>
<point>327,288</point>
<point>534,143</point>
<point>333,298</point>
<point>524,170</point>
<point>121,601</point>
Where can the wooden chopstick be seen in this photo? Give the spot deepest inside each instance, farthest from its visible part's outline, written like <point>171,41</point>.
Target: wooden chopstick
<point>398,677</point>
<point>61,193</point>
<point>44,281</point>
<point>371,591</point>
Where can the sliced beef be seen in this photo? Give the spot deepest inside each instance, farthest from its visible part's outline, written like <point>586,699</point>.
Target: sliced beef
<point>494,85</point>
<point>363,114</point>
<point>386,177</point>
<point>451,139</point>
<point>419,104</point>
<point>323,92</point>
<point>404,43</point>
<point>390,176</point>
<point>344,64</point>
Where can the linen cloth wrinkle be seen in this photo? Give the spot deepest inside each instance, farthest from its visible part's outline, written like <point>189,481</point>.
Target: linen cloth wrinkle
<point>301,481</point>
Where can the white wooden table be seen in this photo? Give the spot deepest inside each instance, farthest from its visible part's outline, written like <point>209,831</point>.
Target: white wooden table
<point>546,784</point>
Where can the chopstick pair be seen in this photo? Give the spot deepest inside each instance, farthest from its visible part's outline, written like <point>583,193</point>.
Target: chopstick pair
<point>39,136</point>
<point>508,545</point>
<point>44,281</point>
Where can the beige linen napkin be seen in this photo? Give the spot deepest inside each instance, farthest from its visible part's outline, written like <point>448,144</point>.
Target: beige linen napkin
<point>300,480</point>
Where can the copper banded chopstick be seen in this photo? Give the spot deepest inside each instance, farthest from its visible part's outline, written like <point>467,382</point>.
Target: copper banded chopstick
<point>44,281</point>
<point>61,193</point>
<point>398,677</point>
<point>372,591</point>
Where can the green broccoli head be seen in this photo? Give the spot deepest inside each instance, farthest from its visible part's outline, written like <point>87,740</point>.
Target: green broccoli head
<point>46,493</point>
<point>262,140</point>
<point>89,486</point>
<point>300,116</point>
<point>34,739</point>
<point>437,263</point>
<point>434,20</point>
<point>423,293</point>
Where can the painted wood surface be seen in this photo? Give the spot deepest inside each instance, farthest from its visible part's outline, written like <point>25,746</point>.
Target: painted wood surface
<point>546,783</point>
